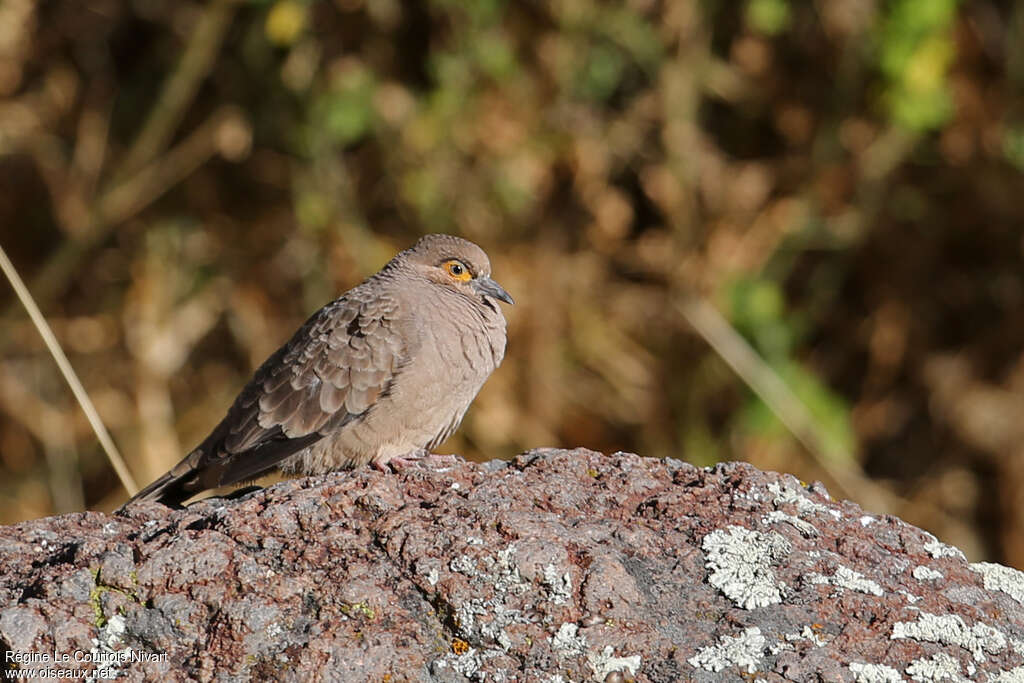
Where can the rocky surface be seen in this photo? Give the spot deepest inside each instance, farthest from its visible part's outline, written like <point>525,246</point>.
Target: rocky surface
<point>558,566</point>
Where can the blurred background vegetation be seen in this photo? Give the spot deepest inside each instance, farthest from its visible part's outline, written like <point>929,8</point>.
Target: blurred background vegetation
<point>775,231</point>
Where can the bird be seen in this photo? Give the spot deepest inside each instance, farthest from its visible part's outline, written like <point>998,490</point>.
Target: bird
<point>381,376</point>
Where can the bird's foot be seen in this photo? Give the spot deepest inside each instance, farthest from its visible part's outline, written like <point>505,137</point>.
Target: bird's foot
<point>421,459</point>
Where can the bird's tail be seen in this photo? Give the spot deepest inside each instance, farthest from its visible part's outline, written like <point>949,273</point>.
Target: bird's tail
<point>199,472</point>
<point>174,487</point>
<point>162,490</point>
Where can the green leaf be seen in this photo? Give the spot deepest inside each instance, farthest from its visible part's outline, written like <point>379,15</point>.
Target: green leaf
<point>769,17</point>
<point>915,52</point>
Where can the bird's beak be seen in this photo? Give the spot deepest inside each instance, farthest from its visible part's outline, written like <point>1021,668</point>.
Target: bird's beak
<point>485,286</point>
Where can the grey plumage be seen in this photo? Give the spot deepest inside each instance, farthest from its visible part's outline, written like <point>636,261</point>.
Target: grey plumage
<point>385,371</point>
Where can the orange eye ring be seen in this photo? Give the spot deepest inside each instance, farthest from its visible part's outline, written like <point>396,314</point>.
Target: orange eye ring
<point>457,270</point>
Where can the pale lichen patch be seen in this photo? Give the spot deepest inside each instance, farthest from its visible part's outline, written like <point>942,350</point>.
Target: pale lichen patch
<point>806,634</point>
<point>847,578</point>
<point>740,564</point>
<point>560,585</point>
<point>744,651</point>
<point>569,641</point>
<point>502,573</point>
<point>923,573</point>
<point>950,629</point>
<point>997,577</point>
<point>463,564</point>
<point>939,667</point>
<point>788,495</point>
<point>468,664</point>
<point>874,673</point>
<point>806,529</point>
<point>605,663</point>
<point>111,636</point>
<point>911,598</point>
<point>938,549</point>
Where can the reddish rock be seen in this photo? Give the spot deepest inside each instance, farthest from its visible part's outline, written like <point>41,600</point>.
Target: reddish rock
<point>558,566</point>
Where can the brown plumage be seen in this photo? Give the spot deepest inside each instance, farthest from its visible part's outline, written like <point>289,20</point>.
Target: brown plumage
<point>385,371</point>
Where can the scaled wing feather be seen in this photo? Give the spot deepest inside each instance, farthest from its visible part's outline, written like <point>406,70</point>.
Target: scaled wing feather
<point>329,373</point>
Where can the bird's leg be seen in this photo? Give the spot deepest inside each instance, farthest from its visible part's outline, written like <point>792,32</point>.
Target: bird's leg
<point>421,458</point>
<point>400,462</point>
<point>381,465</point>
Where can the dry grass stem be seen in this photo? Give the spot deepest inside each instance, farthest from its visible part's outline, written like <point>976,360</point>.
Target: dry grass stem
<point>69,373</point>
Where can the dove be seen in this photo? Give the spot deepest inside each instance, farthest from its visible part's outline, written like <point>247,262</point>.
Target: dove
<point>381,376</point>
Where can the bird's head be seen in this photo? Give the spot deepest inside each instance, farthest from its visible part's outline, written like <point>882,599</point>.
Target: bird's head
<point>455,263</point>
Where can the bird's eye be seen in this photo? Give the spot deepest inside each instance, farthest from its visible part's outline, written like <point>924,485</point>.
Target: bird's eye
<point>458,270</point>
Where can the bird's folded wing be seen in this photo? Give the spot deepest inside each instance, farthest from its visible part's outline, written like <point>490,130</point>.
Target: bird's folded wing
<point>332,371</point>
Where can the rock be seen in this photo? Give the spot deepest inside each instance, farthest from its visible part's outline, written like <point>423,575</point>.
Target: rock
<point>559,566</point>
